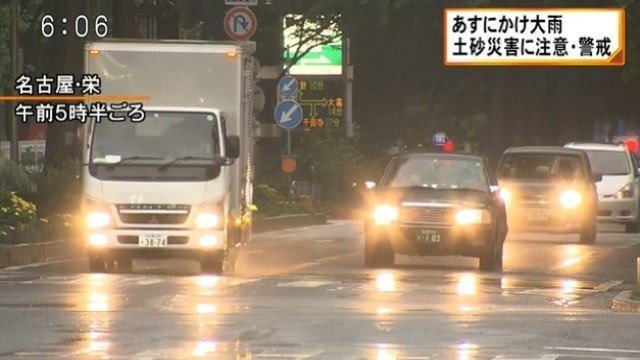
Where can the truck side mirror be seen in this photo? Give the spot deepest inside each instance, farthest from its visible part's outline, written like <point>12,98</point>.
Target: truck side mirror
<point>232,149</point>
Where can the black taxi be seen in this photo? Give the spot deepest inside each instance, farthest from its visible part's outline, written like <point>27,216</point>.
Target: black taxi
<point>435,204</point>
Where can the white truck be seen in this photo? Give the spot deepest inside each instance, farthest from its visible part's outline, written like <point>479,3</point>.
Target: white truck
<point>179,183</point>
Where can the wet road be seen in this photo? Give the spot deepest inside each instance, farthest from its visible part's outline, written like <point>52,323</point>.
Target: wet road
<point>303,293</point>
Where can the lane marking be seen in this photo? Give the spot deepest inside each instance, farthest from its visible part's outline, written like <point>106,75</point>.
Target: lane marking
<point>35,265</point>
<point>600,350</point>
<point>608,285</point>
<point>306,283</point>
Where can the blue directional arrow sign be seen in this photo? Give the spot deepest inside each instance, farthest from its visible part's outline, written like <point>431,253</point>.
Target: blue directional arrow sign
<point>288,114</point>
<point>439,139</point>
<point>288,86</point>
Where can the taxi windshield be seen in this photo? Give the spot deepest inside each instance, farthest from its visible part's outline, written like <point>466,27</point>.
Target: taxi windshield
<point>541,167</point>
<point>434,172</point>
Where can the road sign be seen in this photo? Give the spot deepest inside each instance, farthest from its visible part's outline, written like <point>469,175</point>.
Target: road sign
<point>240,23</point>
<point>288,164</point>
<point>288,114</point>
<point>288,87</point>
<point>241,2</point>
<point>320,58</point>
<point>323,102</point>
<point>439,139</point>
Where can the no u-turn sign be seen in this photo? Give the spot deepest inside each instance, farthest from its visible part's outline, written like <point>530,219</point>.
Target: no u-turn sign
<point>240,23</point>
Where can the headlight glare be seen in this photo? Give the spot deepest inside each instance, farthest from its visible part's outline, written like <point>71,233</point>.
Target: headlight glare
<point>384,214</point>
<point>506,195</point>
<point>469,216</point>
<point>570,199</point>
<point>97,219</point>
<point>207,220</point>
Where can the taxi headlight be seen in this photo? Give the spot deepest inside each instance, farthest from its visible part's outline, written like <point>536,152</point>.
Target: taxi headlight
<point>97,219</point>
<point>570,199</point>
<point>384,214</point>
<point>207,220</point>
<point>472,216</point>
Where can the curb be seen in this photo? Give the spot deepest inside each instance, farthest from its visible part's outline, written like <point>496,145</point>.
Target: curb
<point>623,302</point>
<point>287,222</point>
<point>24,254</point>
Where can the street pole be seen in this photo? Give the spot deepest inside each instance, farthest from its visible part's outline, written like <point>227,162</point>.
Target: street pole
<point>14,152</point>
<point>347,73</point>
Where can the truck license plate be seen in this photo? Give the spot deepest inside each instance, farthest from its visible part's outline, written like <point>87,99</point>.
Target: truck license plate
<point>152,240</point>
<point>538,216</point>
<point>429,236</point>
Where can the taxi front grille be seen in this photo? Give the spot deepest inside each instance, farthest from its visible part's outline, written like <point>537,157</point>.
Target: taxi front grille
<point>426,215</point>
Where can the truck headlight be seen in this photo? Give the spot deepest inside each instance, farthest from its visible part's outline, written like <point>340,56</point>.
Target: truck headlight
<point>625,192</point>
<point>207,220</point>
<point>472,216</point>
<point>570,199</point>
<point>97,219</point>
<point>384,214</point>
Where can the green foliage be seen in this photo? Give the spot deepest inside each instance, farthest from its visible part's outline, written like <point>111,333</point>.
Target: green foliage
<point>271,202</point>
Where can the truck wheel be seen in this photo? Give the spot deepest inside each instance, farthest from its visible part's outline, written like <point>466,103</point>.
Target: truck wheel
<point>213,264</point>
<point>491,257</point>
<point>124,264</point>
<point>378,253</point>
<point>97,264</point>
<point>588,233</point>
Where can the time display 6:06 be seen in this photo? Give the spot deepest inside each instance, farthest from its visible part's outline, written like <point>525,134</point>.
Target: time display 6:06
<point>81,26</point>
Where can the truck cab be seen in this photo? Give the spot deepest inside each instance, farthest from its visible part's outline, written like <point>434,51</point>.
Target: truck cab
<point>176,184</point>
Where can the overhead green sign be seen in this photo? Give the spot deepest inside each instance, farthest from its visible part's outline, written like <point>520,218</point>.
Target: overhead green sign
<point>321,59</point>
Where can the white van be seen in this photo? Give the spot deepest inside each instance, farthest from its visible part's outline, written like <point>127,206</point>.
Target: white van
<point>619,190</point>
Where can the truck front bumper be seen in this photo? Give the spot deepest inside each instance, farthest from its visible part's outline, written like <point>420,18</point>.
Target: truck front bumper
<point>180,243</point>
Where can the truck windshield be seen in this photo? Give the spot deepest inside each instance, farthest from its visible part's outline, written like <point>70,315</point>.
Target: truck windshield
<point>161,137</point>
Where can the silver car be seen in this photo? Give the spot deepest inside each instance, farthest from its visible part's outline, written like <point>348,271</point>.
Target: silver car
<point>619,190</point>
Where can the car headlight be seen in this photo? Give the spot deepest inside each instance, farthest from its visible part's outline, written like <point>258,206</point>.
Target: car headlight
<point>625,192</point>
<point>570,199</point>
<point>207,220</point>
<point>384,214</point>
<point>97,219</point>
<point>472,216</point>
<point>506,195</point>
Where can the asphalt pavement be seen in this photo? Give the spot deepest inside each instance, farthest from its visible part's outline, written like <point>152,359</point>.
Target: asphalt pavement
<point>304,294</point>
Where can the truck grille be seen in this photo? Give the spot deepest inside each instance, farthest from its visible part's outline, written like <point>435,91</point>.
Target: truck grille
<point>425,215</point>
<point>145,214</point>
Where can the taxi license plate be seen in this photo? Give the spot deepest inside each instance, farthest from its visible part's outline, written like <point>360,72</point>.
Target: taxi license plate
<point>429,236</point>
<point>538,216</point>
<point>152,240</point>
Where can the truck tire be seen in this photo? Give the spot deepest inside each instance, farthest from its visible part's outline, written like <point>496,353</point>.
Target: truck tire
<point>588,233</point>
<point>97,264</point>
<point>124,264</point>
<point>491,257</point>
<point>378,253</point>
<point>213,265</point>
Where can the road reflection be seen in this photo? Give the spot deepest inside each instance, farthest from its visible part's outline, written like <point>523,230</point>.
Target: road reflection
<point>97,305</point>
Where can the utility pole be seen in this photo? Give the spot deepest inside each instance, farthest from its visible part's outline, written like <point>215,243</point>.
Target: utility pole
<point>14,152</point>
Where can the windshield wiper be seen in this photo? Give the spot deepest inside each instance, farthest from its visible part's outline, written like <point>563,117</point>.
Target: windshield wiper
<point>129,158</point>
<point>217,160</point>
